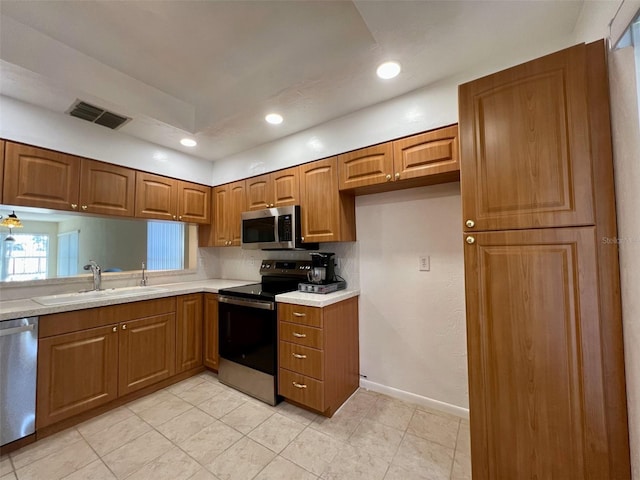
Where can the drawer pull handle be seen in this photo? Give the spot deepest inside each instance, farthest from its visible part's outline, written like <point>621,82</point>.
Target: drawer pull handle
<point>299,385</point>
<point>297,355</point>
<point>299,335</point>
<point>296,314</point>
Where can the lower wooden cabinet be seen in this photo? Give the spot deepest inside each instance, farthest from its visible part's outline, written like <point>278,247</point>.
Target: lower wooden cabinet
<point>188,332</point>
<point>318,364</point>
<point>130,346</point>
<point>210,340</point>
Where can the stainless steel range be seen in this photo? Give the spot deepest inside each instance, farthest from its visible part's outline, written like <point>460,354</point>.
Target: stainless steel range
<point>248,329</point>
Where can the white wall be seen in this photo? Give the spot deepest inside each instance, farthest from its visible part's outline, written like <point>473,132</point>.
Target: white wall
<point>626,143</point>
<point>23,122</point>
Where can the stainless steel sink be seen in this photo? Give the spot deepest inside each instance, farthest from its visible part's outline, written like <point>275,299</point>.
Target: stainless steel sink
<point>80,297</point>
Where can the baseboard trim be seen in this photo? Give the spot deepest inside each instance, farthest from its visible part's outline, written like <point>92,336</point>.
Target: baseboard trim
<point>414,398</point>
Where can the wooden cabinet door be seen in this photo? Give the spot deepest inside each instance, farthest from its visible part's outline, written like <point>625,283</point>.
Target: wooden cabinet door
<point>76,372</point>
<point>2,142</point>
<point>286,187</point>
<point>188,332</point>
<point>367,166</point>
<point>259,192</point>
<point>147,351</point>
<point>194,203</point>
<point>107,189</point>
<point>526,154</point>
<point>429,153</point>
<point>211,330</point>
<point>36,177</point>
<point>237,203</point>
<point>534,353</point>
<point>156,196</point>
<point>220,216</point>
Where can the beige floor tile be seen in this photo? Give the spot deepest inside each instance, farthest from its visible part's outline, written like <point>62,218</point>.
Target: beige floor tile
<point>396,472</point>
<point>298,414</point>
<point>247,417</point>
<point>340,426</point>
<point>60,463</point>
<point>165,411</point>
<point>116,435</point>
<point>40,449</point>
<point>208,376</point>
<point>94,471</point>
<point>201,392</point>
<point>276,432</point>
<point>210,442</point>
<point>149,401</point>
<point>353,463</point>
<point>242,461</point>
<point>204,474</point>
<point>417,454</point>
<point>9,476</point>
<point>461,467</point>
<point>104,421</point>
<point>442,429</point>
<point>132,456</point>
<point>281,469</point>
<point>173,465</point>
<point>391,412</point>
<point>463,444</point>
<point>313,450</point>
<point>222,403</point>
<point>377,439</point>
<point>361,402</point>
<point>185,385</point>
<point>185,425</point>
<point>5,465</point>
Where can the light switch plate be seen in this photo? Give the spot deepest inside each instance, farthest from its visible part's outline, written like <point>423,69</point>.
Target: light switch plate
<point>424,263</point>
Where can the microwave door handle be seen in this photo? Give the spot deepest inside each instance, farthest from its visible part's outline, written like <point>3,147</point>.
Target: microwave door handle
<point>276,226</point>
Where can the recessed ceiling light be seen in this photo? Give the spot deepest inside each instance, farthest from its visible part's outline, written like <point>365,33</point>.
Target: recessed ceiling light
<point>188,142</point>
<point>388,70</point>
<point>274,118</point>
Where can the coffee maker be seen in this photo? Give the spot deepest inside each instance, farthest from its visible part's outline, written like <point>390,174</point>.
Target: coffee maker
<point>322,276</point>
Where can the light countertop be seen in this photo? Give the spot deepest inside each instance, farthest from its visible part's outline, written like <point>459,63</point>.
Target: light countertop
<point>316,299</point>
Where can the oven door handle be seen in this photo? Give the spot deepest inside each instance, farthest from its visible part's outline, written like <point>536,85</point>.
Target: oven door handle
<point>247,302</point>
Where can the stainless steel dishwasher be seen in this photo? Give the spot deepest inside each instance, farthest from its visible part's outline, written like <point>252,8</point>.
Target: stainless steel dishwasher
<point>18,361</point>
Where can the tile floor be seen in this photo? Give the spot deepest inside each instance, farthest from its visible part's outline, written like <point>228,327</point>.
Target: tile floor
<point>199,429</point>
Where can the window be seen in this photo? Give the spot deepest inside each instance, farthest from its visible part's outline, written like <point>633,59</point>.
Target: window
<point>68,253</point>
<point>165,246</point>
<point>24,258</point>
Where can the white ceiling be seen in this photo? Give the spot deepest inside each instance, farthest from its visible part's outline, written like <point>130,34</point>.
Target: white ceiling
<point>213,69</point>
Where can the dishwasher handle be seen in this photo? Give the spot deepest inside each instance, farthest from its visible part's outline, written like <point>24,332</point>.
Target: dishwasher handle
<point>15,330</point>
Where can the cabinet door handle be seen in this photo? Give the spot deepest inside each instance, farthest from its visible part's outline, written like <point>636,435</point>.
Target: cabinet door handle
<point>297,355</point>
<point>174,217</point>
<point>299,385</point>
<point>299,335</point>
<point>124,327</point>
<point>470,223</point>
<point>180,217</point>
<point>74,205</point>
<point>271,205</point>
<point>266,205</point>
<point>470,240</point>
<point>397,176</point>
<point>84,207</point>
<point>388,177</point>
<point>296,314</point>
<point>114,329</point>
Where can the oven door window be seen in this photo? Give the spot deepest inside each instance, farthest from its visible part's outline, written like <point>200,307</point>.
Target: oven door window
<point>258,230</point>
<point>248,336</point>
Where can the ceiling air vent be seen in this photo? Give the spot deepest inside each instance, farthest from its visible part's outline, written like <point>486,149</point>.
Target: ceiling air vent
<point>98,115</point>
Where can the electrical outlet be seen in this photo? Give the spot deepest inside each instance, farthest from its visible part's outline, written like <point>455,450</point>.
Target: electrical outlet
<point>338,262</point>
<point>424,263</point>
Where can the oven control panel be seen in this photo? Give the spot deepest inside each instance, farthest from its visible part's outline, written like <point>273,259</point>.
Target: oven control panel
<point>289,268</point>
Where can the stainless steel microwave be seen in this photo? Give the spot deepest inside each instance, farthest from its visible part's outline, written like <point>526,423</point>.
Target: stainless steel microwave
<point>273,229</point>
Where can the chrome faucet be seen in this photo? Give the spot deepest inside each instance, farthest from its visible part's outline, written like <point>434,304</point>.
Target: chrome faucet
<point>96,270</point>
<point>143,282</point>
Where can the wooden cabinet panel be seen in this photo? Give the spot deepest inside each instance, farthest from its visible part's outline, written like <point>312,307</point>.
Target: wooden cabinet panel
<point>536,385</point>
<point>327,215</point>
<point>107,189</point>
<point>525,145</point>
<point>211,330</point>
<point>237,202</point>
<point>304,360</point>
<point>156,196</point>
<point>188,332</point>
<point>228,204</point>
<point>301,334</point>
<point>76,372</point>
<point>194,203</point>
<point>286,187</point>
<point>36,177</point>
<point>147,351</point>
<point>367,166</point>
<point>2,144</point>
<point>430,153</point>
<point>303,390</point>
<point>301,314</point>
<point>259,192</point>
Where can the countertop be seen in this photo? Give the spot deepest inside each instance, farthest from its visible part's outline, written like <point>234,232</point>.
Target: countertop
<point>30,308</point>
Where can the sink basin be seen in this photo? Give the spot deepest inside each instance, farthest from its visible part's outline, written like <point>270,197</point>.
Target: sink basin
<point>80,297</point>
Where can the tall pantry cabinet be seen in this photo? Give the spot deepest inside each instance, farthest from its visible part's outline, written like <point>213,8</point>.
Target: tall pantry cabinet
<point>546,368</point>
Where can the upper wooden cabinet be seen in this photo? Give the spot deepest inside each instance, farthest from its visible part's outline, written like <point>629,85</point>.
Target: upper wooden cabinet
<point>2,143</point>
<point>228,204</point>
<point>35,177</point>
<point>107,189</point>
<point>166,198</point>
<point>526,146</point>
<point>327,214</point>
<point>427,158</point>
<point>277,189</point>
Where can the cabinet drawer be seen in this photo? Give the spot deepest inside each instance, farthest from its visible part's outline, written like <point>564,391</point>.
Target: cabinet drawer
<point>301,314</point>
<point>301,334</point>
<point>301,389</point>
<point>305,360</point>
